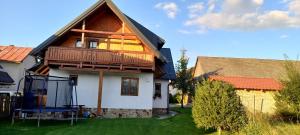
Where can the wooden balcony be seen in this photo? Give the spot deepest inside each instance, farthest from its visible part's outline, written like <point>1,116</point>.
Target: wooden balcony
<point>81,58</point>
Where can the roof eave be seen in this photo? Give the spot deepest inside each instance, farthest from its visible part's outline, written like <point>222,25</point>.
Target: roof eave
<point>139,34</point>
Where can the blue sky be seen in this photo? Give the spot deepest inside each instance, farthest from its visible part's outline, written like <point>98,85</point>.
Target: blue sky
<point>228,28</point>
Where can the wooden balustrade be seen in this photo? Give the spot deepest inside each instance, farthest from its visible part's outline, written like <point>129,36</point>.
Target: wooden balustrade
<point>97,57</point>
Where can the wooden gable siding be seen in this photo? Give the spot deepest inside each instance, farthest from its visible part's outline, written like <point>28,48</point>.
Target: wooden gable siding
<point>117,47</point>
<point>104,20</point>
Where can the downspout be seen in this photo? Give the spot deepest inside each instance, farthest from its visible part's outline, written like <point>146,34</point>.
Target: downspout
<point>168,101</point>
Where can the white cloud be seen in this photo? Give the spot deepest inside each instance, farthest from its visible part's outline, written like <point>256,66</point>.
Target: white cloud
<point>247,15</point>
<point>186,32</point>
<point>170,8</point>
<point>211,5</point>
<point>294,6</point>
<point>241,6</point>
<point>284,36</point>
<point>195,9</point>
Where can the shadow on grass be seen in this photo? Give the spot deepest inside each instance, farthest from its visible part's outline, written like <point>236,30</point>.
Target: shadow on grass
<point>187,113</point>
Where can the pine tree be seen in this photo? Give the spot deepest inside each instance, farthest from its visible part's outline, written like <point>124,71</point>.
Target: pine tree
<point>216,105</point>
<point>183,81</point>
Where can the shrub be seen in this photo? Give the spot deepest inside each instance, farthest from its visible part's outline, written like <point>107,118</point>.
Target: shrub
<point>178,98</point>
<point>172,99</point>
<point>216,105</point>
<point>288,99</point>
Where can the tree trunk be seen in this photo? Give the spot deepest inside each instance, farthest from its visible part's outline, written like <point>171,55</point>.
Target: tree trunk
<point>182,96</point>
<point>219,130</point>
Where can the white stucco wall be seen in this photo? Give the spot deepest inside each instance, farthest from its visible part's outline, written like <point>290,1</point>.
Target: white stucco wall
<point>112,92</point>
<point>162,102</point>
<point>87,90</point>
<point>87,87</point>
<point>17,71</point>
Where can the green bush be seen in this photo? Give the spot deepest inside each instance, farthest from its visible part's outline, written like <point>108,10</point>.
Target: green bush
<point>288,99</point>
<point>216,105</point>
<point>178,98</point>
<point>253,128</point>
<point>172,99</point>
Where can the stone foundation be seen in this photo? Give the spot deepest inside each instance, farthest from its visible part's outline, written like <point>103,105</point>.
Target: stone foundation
<point>126,113</point>
<point>159,111</point>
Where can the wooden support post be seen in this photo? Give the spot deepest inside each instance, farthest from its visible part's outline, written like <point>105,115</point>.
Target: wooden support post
<point>254,108</point>
<point>123,30</point>
<point>99,110</point>
<point>261,106</point>
<point>83,35</point>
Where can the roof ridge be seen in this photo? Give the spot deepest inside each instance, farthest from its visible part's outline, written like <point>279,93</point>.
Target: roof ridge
<point>239,58</point>
<point>243,77</point>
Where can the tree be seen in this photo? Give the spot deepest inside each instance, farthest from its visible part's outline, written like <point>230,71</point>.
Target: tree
<point>288,99</point>
<point>183,81</point>
<point>216,105</point>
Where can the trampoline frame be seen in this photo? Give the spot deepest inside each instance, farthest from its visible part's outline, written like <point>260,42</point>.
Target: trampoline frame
<point>71,108</point>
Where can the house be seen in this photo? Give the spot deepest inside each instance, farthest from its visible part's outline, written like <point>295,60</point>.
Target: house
<point>119,67</point>
<point>14,61</point>
<point>255,80</point>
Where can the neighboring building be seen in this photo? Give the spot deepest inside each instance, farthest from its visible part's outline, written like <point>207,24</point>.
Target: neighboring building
<point>119,66</point>
<point>14,61</point>
<point>256,80</point>
<point>6,81</point>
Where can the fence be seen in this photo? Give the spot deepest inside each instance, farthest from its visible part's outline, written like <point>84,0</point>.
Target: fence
<point>4,105</point>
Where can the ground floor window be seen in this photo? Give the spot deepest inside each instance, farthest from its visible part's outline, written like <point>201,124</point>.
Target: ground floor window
<point>129,86</point>
<point>74,79</point>
<point>157,92</point>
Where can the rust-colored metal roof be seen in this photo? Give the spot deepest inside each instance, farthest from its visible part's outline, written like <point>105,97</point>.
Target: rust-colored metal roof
<point>250,83</point>
<point>14,54</point>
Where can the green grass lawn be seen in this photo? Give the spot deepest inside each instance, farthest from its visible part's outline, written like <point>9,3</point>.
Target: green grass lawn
<point>181,124</point>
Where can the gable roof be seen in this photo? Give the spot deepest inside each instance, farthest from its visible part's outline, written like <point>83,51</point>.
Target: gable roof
<point>145,35</point>
<point>4,77</point>
<point>14,54</point>
<point>250,83</point>
<point>168,67</point>
<point>239,67</point>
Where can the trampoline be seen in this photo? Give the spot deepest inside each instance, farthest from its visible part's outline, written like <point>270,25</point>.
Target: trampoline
<point>47,94</point>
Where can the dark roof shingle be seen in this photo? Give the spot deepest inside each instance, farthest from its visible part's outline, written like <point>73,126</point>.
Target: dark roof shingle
<point>4,77</point>
<point>168,67</point>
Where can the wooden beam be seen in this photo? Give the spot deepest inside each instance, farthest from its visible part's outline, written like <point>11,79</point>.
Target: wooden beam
<point>39,69</point>
<point>102,32</point>
<point>45,71</point>
<point>123,27</point>
<point>99,109</point>
<point>104,70</point>
<point>83,35</point>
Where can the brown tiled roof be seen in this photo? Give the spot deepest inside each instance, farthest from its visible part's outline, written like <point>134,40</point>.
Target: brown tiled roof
<point>250,83</point>
<point>240,67</point>
<point>13,54</point>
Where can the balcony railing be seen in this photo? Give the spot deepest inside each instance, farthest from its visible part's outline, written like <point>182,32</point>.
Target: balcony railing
<point>97,57</point>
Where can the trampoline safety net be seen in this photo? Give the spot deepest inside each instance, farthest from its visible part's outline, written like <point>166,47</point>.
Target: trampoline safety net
<point>47,92</point>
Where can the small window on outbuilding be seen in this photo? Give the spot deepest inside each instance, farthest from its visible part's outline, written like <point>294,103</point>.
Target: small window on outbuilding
<point>129,86</point>
<point>74,79</point>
